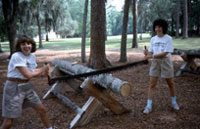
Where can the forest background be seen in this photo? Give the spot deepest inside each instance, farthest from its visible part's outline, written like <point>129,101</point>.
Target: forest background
<point>98,26</point>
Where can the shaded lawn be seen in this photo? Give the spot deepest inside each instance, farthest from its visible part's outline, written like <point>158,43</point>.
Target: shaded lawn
<point>112,42</point>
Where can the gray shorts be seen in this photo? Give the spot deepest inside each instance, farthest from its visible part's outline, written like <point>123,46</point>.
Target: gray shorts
<point>17,96</point>
<point>162,68</point>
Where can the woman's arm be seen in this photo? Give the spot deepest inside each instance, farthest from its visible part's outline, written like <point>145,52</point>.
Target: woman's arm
<point>161,55</point>
<point>158,56</point>
<point>39,72</point>
<point>148,55</point>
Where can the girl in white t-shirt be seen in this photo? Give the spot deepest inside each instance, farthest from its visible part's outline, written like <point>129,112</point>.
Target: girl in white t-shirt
<point>18,90</point>
<point>160,51</point>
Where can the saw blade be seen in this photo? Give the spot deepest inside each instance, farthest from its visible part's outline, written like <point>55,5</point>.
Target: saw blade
<point>97,72</point>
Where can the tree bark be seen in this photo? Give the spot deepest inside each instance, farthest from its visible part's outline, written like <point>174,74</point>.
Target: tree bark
<point>83,57</point>
<point>39,29</point>
<point>47,37</point>
<point>97,57</point>
<point>1,51</point>
<point>123,56</point>
<point>134,12</point>
<point>10,12</point>
<point>190,53</point>
<point>177,17</point>
<point>198,28</point>
<point>185,20</point>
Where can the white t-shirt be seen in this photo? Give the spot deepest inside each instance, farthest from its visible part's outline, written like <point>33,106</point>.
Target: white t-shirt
<point>161,44</point>
<point>19,59</point>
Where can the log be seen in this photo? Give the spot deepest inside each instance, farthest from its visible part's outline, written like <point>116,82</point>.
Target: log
<point>189,60</point>
<point>105,80</point>
<point>190,53</point>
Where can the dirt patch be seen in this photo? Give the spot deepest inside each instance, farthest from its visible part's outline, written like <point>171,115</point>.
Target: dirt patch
<point>162,117</point>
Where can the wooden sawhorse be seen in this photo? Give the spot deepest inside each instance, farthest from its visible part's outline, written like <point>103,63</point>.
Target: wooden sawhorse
<point>98,87</point>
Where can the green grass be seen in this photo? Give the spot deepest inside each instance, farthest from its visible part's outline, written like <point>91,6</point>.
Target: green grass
<point>111,43</point>
<point>190,43</point>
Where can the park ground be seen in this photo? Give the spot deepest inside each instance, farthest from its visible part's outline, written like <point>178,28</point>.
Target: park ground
<point>162,117</point>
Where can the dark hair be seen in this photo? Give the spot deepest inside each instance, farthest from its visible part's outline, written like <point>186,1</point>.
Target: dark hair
<point>22,39</point>
<point>161,22</point>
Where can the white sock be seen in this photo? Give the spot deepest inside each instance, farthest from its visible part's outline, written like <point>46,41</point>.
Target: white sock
<point>50,128</point>
<point>173,99</point>
<point>149,103</point>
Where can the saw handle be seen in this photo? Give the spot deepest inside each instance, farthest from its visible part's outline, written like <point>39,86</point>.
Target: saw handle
<point>145,47</point>
<point>145,50</point>
<point>48,76</point>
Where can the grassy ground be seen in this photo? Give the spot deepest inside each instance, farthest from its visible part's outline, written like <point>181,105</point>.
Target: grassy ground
<point>113,42</point>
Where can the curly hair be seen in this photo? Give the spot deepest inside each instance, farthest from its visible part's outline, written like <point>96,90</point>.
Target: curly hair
<point>23,39</point>
<point>161,22</point>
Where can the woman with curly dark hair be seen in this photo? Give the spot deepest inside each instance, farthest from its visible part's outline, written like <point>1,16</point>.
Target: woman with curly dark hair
<point>160,51</point>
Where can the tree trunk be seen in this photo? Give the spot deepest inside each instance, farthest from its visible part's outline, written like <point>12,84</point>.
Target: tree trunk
<point>47,24</point>
<point>177,17</point>
<point>134,12</point>
<point>47,37</point>
<point>185,20</point>
<point>172,23</point>
<point>39,29</point>
<point>83,57</point>
<point>1,51</point>
<point>10,12</point>
<point>97,57</point>
<point>123,56</point>
<point>11,37</point>
<point>198,28</point>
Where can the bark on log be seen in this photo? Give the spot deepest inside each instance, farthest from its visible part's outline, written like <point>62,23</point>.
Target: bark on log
<point>189,58</point>
<point>104,80</point>
<point>190,53</point>
<point>72,83</point>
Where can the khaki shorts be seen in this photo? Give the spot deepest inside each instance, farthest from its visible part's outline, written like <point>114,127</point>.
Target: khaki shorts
<point>162,68</point>
<point>17,96</point>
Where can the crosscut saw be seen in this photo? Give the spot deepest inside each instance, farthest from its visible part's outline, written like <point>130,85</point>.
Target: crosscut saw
<point>97,72</point>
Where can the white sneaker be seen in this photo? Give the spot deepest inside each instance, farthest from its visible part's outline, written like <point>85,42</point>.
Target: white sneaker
<point>175,106</point>
<point>147,110</point>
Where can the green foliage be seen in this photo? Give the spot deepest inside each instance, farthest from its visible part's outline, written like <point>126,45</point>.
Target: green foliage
<point>114,21</point>
<point>65,16</point>
<point>76,9</point>
<point>149,10</point>
<point>64,24</point>
<point>3,30</point>
<point>67,30</point>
